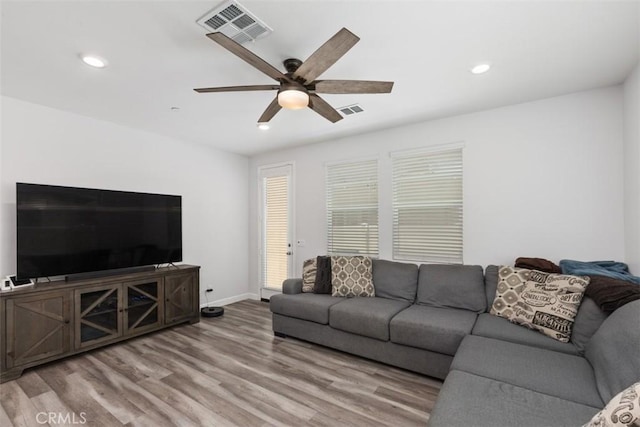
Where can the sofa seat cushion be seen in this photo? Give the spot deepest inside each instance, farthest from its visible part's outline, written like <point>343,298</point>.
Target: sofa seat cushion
<point>470,400</point>
<point>369,317</point>
<point>305,306</point>
<point>491,326</point>
<point>557,374</point>
<point>432,328</point>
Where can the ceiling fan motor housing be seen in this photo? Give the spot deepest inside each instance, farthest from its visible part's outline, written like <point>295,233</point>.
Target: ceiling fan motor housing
<point>291,64</point>
<point>292,86</point>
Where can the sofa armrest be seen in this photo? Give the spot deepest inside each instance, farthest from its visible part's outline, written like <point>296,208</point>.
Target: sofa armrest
<point>292,286</point>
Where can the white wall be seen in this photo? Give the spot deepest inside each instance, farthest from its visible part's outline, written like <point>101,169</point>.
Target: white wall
<point>632,170</point>
<point>541,179</point>
<point>48,146</point>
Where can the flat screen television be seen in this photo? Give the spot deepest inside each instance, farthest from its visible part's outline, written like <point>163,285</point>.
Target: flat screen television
<point>68,230</point>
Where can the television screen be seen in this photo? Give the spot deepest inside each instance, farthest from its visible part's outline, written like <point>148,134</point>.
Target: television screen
<point>67,230</point>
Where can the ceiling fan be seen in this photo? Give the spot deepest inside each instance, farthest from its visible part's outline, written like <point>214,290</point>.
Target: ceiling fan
<point>298,87</point>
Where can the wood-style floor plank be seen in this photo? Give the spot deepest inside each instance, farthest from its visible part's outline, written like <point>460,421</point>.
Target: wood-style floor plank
<point>225,371</point>
<point>4,418</point>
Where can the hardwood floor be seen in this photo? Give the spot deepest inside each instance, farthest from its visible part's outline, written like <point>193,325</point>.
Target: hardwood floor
<point>225,371</point>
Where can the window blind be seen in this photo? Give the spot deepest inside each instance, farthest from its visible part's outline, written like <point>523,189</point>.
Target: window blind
<point>276,230</point>
<point>352,208</point>
<point>427,206</point>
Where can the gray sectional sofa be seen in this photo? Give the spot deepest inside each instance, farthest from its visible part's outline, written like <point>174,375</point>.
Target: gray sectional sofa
<point>433,319</point>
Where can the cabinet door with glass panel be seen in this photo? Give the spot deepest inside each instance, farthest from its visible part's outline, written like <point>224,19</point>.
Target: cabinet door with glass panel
<point>141,311</point>
<point>108,312</point>
<point>98,314</point>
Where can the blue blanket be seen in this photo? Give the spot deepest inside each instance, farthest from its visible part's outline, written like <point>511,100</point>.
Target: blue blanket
<point>616,270</point>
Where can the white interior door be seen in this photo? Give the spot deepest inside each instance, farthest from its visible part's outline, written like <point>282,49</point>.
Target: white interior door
<point>276,247</point>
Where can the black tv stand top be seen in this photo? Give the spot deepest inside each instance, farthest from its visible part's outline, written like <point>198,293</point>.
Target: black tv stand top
<point>106,273</point>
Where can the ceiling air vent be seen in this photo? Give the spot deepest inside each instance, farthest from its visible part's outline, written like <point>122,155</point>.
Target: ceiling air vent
<point>350,109</point>
<point>235,21</point>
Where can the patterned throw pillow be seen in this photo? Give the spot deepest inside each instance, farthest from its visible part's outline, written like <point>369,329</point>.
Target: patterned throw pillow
<point>545,302</point>
<point>351,276</point>
<point>309,271</point>
<point>622,411</point>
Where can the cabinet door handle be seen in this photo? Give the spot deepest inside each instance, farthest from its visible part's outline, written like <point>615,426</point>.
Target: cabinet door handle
<point>67,321</point>
<point>167,299</point>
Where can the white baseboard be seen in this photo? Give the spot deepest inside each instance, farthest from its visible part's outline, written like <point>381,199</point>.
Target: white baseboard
<point>230,300</point>
<point>267,293</point>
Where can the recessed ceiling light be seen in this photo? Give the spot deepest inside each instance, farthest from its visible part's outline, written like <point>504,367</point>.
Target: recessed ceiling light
<point>94,61</point>
<point>480,68</point>
<point>263,126</point>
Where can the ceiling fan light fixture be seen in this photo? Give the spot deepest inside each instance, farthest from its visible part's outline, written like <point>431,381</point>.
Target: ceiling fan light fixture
<point>293,99</point>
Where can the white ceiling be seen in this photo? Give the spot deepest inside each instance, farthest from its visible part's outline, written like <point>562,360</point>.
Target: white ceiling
<point>157,54</point>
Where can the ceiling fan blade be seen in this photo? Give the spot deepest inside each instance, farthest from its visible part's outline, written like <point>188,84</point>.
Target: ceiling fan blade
<point>248,56</point>
<point>271,111</point>
<point>323,108</point>
<point>352,86</point>
<point>237,88</point>
<point>326,55</point>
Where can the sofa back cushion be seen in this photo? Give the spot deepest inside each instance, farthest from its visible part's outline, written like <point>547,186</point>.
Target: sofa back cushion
<point>452,286</point>
<point>491,283</point>
<point>613,351</point>
<point>395,280</point>
<point>587,322</point>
